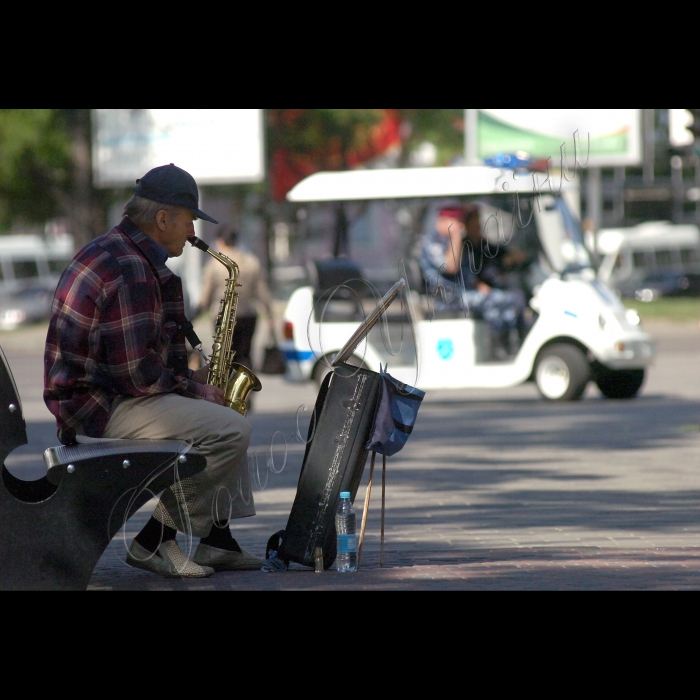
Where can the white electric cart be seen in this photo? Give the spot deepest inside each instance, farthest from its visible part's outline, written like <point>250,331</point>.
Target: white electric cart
<point>579,330</point>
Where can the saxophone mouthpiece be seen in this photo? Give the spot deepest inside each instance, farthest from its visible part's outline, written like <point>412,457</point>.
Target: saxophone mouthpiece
<point>198,243</point>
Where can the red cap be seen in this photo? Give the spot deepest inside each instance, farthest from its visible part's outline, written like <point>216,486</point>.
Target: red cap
<point>461,213</point>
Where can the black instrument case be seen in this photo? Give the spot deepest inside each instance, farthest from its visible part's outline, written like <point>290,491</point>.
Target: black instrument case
<point>334,460</point>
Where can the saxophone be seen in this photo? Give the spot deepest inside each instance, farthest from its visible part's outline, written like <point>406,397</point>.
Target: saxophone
<point>236,380</point>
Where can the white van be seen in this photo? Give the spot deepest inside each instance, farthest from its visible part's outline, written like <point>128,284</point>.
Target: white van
<point>28,259</point>
<point>30,267</point>
<point>580,331</point>
<point>629,255</point>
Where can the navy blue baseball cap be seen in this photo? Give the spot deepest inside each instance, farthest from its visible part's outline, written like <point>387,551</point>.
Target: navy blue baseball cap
<point>171,185</point>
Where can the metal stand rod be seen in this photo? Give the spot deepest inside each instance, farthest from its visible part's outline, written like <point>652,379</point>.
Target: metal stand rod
<point>381,551</point>
<point>366,509</point>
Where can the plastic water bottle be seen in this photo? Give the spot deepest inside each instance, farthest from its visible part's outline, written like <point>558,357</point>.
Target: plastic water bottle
<point>346,559</point>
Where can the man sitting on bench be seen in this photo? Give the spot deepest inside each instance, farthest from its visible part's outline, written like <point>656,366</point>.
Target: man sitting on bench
<point>116,367</point>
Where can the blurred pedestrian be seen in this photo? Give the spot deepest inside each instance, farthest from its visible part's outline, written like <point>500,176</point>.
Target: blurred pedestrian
<point>253,294</point>
<point>465,273</point>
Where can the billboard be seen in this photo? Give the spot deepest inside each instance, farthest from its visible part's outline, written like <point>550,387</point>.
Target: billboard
<point>615,135</point>
<point>216,146</point>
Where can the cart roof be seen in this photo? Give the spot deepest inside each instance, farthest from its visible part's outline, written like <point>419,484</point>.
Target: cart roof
<point>393,183</point>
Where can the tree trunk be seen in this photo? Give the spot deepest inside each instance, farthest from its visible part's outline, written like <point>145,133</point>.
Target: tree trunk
<point>85,218</point>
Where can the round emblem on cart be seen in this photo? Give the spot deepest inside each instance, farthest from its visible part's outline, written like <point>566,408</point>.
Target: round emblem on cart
<point>445,348</point>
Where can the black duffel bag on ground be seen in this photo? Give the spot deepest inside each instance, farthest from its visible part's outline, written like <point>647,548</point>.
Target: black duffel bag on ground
<point>273,359</point>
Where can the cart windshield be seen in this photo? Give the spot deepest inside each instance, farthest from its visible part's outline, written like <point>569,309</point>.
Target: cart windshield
<point>384,236</point>
<point>561,235</point>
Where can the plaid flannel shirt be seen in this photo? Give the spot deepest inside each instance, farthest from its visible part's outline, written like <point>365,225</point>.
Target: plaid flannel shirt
<point>116,328</point>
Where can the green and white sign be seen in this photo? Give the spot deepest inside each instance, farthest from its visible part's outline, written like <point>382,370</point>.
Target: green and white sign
<point>614,135</point>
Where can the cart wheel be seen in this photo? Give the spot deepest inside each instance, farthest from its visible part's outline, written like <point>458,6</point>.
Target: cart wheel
<point>562,372</point>
<point>619,383</point>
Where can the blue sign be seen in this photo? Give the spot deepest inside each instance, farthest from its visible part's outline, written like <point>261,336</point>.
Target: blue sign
<point>445,348</point>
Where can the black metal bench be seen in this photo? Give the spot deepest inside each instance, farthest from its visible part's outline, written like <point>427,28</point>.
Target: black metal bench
<point>54,530</point>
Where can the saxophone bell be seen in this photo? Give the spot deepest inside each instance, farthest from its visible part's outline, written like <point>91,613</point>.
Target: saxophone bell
<point>240,383</point>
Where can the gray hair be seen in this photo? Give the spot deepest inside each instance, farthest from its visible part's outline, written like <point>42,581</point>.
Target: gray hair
<point>143,211</point>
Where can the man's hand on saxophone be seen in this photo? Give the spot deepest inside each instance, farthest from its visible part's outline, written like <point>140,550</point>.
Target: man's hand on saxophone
<point>212,393</point>
<point>200,375</point>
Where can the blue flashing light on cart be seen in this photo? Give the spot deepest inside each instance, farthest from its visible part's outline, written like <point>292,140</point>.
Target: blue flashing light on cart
<point>516,161</point>
<point>509,160</point>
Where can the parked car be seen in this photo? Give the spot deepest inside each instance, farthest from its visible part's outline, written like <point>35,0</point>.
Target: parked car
<point>30,261</point>
<point>27,306</point>
<point>668,284</point>
<point>30,267</point>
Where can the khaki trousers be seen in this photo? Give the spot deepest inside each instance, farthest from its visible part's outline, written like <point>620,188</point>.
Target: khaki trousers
<point>223,490</point>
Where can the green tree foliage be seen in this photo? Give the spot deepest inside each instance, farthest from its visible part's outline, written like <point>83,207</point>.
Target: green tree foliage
<point>325,135</point>
<point>45,171</point>
<point>34,165</point>
<point>444,128</point>
<point>45,155</point>
<point>303,141</point>
<point>330,135</point>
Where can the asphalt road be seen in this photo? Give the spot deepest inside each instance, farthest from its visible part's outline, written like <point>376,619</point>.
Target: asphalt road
<point>496,489</point>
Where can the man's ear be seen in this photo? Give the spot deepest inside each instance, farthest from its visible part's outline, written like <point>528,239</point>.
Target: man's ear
<point>162,219</point>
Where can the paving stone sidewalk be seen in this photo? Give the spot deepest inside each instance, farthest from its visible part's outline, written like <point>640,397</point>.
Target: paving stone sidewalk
<point>496,490</point>
<point>502,569</point>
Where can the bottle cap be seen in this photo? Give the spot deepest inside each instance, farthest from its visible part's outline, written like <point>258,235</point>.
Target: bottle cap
<point>345,494</point>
